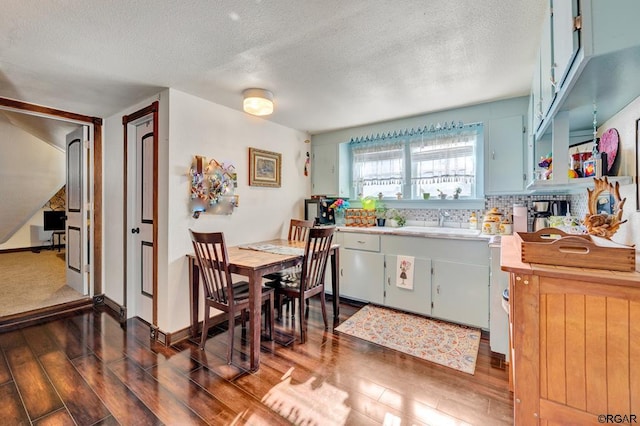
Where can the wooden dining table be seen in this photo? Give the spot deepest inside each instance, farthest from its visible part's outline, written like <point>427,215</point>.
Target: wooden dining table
<point>254,265</point>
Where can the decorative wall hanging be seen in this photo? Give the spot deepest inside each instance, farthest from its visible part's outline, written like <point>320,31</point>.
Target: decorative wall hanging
<point>307,161</point>
<point>212,187</point>
<point>264,168</point>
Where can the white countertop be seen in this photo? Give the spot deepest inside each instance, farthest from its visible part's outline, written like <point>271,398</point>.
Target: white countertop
<point>420,231</point>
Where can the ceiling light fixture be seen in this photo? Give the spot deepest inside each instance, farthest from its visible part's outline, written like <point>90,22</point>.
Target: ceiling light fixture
<point>257,101</point>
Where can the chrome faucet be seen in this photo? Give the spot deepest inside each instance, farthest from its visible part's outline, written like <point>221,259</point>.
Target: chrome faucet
<point>442,216</point>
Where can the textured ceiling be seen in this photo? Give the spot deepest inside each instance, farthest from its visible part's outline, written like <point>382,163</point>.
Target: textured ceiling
<point>330,64</point>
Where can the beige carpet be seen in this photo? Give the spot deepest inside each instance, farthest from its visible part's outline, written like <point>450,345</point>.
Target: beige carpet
<point>452,345</point>
<point>30,281</point>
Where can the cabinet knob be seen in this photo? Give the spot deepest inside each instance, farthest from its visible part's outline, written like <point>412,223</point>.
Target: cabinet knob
<point>518,278</point>
<point>518,400</point>
<point>493,154</point>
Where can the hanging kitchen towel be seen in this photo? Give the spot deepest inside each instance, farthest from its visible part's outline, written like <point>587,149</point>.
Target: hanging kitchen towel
<point>404,272</point>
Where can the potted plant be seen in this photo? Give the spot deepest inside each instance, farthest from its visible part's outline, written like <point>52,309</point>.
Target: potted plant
<point>381,213</point>
<point>396,218</point>
<point>457,192</point>
<point>442,195</point>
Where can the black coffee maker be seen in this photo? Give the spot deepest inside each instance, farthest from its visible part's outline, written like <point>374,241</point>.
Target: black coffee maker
<point>560,208</point>
<point>541,214</point>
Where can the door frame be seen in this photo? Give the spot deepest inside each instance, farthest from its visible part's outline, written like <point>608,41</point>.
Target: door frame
<point>95,280</point>
<point>126,121</point>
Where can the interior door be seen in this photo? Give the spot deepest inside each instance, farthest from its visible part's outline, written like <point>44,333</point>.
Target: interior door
<point>141,266</point>
<point>77,252</point>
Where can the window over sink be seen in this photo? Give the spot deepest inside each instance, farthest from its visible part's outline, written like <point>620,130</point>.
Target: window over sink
<point>440,161</point>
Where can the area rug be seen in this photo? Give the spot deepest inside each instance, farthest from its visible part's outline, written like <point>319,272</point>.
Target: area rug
<point>447,344</point>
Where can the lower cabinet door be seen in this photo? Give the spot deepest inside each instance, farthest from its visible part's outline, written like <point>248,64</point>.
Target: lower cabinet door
<point>361,275</point>
<point>399,293</point>
<point>460,293</point>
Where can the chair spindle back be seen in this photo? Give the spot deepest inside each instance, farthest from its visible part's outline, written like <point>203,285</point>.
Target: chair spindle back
<point>211,253</point>
<point>316,254</point>
<point>299,229</point>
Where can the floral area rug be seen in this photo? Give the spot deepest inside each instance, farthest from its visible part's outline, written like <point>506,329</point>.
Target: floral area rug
<point>447,344</point>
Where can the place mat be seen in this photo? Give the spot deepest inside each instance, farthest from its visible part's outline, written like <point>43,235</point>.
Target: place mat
<point>275,249</point>
<point>447,344</point>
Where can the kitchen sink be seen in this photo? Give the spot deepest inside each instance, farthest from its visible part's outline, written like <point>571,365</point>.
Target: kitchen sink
<point>439,230</point>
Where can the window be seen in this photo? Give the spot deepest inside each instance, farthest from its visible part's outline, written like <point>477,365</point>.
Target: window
<point>438,160</point>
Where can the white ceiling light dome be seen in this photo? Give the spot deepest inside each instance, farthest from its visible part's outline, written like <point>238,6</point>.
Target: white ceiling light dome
<point>257,102</point>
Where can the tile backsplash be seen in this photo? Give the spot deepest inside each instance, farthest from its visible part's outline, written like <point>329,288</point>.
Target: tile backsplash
<point>504,203</point>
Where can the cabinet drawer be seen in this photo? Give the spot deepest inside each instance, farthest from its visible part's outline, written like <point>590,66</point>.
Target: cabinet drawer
<point>367,242</point>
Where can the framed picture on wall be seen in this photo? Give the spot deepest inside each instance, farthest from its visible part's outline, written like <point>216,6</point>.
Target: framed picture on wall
<point>264,168</point>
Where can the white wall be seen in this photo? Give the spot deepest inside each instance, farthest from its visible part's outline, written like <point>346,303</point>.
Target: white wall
<point>625,123</point>
<point>31,234</point>
<point>199,127</point>
<point>191,126</point>
<point>113,192</point>
<point>31,172</point>
<point>471,114</point>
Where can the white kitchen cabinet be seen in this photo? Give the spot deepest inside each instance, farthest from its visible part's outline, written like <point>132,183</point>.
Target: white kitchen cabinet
<point>536,113</point>
<point>361,267</point>
<point>566,40</point>
<point>499,319</point>
<point>416,299</point>
<point>547,91</point>
<point>330,167</point>
<point>460,292</point>
<point>459,267</point>
<point>598,45</point>
<point>505,156</point>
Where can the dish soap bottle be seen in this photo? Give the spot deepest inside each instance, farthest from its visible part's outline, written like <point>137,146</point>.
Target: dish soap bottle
<point>473,221</point>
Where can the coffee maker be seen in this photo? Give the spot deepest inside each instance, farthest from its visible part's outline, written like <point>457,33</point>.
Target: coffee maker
<point>560,208</point>
<point>541,214</point>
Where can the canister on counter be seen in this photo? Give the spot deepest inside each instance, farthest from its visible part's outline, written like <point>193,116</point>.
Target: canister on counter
<point>491,223</point>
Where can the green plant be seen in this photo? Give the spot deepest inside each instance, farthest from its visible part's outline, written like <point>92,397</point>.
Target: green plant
<point>458,190</point>
<point>381,210</point>
<point>397,215</point>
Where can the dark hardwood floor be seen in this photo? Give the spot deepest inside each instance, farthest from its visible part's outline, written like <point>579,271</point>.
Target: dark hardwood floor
<point>86,369</point>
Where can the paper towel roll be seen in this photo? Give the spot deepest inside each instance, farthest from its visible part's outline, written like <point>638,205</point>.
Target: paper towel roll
<point>520,213</point>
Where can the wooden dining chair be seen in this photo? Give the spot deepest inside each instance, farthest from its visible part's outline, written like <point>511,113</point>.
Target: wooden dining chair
<point>310,281</point>
<point>220,292</point>
<point>298,231</point>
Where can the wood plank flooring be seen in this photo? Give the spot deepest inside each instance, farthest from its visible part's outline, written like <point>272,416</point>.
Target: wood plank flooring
<point>86,370</point>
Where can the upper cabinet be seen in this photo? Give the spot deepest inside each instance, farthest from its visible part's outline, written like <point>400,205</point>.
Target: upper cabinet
<point>330,170</point>
<point>565,22</point>
<point>588,53</point>
<point>588,57</point>
<point>559,45</point>
<point>504,156</point>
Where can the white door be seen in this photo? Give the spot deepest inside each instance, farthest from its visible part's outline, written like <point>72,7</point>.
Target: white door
<point>140,206</point>
<point>77,200</point>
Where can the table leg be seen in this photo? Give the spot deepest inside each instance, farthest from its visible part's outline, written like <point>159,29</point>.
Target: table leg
<point>255,310</point>
<point>194,281</point>
<point>335,283</point>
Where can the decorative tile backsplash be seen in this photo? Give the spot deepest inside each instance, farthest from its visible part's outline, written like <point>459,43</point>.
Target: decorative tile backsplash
<point>504,203</point>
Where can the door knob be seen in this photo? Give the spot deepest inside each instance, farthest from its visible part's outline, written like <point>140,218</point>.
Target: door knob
<point>135,230</point>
